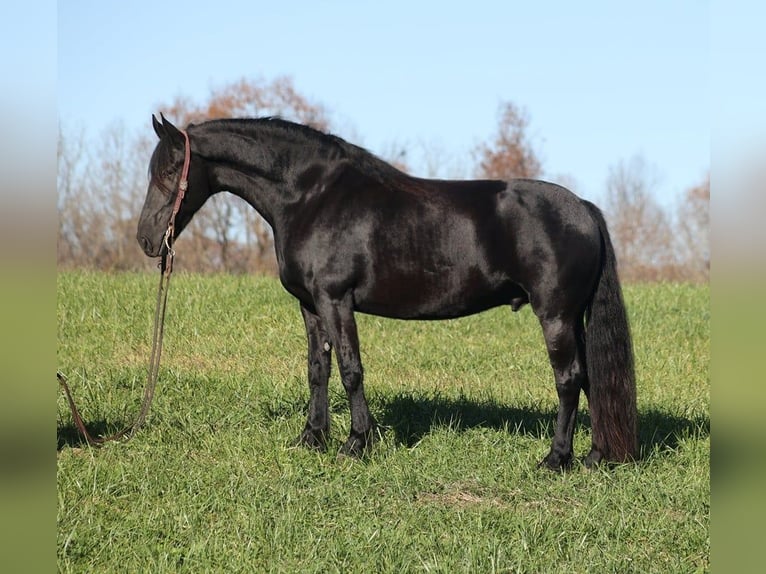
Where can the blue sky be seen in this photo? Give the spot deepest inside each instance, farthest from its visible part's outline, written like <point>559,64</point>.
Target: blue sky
<point>601,81</point>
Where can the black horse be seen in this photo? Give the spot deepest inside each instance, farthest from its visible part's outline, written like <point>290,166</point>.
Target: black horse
<point>352,233</point>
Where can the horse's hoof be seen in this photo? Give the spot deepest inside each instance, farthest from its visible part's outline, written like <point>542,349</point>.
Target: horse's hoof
<point>593,459</point>
<point>354,447</point>
<point>358,444</point>
<point>556,462</point>
<point>312,439</point>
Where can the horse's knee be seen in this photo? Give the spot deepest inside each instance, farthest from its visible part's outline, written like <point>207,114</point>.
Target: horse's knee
<point>319,371</point>
<point>352,377</point>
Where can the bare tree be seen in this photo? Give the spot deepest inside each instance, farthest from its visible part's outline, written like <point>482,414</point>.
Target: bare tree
<point>438,162</point>
<point>97,194</point>
<point>510,154</point>
<point>639,226</point>
<point>694,231</point>
<point>396,154</point>
<point>70,158</point>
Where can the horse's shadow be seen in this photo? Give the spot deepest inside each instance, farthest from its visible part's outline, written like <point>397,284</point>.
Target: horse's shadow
<point>410,417</point>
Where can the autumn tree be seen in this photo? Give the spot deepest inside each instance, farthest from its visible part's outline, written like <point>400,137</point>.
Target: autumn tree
<point>250,98</point>
<point>510,154</point>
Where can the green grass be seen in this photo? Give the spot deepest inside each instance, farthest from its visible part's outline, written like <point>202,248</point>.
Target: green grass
<point>212,484</point>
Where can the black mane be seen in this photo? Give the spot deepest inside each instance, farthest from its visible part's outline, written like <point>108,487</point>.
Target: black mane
<point>311,141</point>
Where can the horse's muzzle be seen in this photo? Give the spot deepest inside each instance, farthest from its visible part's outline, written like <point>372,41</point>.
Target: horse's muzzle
<point>149,248</point>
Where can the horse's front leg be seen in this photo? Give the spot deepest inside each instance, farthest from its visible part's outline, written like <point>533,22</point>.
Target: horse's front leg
<point>317,427</point>
<point>338,318</point>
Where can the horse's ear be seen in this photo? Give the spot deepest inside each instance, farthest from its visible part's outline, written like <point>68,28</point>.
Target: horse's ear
<point>172,132</point>
<point>158,127</point>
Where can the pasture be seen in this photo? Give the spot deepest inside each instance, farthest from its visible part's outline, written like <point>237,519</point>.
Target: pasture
<point>212,484</point>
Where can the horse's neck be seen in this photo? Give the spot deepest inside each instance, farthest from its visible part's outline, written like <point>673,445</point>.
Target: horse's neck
<point>250,169</point>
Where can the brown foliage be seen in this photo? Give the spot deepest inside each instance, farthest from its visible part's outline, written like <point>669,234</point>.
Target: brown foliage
<point>248,98</point>
<point>510,154</point>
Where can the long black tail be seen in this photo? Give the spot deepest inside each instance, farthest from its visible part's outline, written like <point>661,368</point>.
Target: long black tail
<point>609,358</point>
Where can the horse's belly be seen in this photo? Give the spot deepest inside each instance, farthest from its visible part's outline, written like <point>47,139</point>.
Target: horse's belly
<point>433,295</point>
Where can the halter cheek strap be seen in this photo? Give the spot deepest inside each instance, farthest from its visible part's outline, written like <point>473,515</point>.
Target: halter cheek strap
<point>183,185</point>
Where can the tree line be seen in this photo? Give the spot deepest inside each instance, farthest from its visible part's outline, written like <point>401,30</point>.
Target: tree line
<point>101,187</point>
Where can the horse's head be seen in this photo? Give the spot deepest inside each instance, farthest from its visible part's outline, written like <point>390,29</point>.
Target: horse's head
<point>164,174</point>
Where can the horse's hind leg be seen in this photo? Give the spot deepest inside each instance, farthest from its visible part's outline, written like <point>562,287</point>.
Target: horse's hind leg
<point>338,318</point>
<point>317,427</point>
<point>566,352</point>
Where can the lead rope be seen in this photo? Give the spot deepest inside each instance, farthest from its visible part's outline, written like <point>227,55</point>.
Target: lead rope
<point>151,380</point>
<point>166,268</point>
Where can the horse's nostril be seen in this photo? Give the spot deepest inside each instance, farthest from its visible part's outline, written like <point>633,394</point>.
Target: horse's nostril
<point>146,245</point>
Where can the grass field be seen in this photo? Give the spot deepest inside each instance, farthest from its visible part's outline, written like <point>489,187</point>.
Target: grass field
<point>212,484</point>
